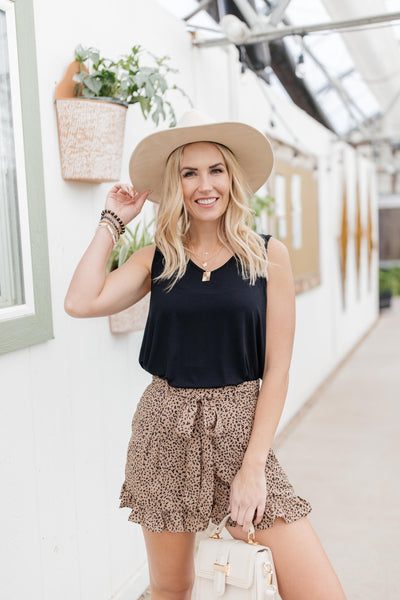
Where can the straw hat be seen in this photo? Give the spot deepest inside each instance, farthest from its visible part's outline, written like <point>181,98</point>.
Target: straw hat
<point>251,148</point>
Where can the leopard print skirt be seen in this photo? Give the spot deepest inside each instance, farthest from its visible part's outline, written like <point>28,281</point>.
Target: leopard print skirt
<point>186,446</point>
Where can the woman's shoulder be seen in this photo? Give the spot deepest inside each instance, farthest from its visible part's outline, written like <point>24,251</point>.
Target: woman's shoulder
<point>266,237</point>
<point>274,243</point>
<point>278,254</point>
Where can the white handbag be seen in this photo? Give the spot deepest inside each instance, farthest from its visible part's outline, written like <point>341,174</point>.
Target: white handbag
<point>233,569</point>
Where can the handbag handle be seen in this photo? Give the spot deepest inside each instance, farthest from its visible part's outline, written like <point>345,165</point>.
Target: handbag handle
<point>250,534</point>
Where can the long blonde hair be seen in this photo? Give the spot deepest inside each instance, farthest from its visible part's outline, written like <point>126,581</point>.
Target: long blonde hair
<point>173,223</point>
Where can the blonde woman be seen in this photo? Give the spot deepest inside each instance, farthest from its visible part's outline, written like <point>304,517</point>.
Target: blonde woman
<point>202,431</point>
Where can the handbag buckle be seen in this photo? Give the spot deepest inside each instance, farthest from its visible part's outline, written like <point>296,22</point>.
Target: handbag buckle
<point>251,540</point>
<point>222,568</point>
<point>269,572</point>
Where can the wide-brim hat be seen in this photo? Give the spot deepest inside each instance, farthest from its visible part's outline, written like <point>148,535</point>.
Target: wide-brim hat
<point>251,148</point>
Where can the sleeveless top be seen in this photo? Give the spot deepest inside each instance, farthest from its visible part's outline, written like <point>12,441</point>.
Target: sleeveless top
<point>205,334</point>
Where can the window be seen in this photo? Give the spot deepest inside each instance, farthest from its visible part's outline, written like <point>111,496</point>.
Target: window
<point>280,203</point>
<point>12,288</point>
<point>25,314</point>
<point>296,215</point>
<point>297,224</point>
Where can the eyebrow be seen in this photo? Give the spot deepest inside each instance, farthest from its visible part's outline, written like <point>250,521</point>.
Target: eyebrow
<point>220,164</point>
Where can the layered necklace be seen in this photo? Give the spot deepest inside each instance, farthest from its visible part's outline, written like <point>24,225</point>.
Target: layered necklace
<point>204,261</point>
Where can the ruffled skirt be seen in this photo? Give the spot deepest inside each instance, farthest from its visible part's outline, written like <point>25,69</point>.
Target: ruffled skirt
<point>186,446</point>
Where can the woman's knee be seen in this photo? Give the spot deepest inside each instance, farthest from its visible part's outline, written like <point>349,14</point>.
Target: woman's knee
<point>171,588</point>
<point>171,566</point>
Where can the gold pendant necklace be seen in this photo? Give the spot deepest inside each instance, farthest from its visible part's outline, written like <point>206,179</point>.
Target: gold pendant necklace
<point>206,273</point>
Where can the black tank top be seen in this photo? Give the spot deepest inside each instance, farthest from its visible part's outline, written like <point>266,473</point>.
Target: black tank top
<point>205,334</point>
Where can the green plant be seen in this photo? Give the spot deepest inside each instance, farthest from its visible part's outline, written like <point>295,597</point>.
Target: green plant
<point>127,80</point>
<point>258,204</point>
<point>389,280</point>
<point>128,244</point>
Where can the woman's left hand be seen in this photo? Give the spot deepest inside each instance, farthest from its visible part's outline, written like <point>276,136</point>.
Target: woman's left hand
<point>248,494</point>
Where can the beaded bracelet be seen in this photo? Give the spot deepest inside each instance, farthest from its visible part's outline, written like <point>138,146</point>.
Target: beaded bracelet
<point>107,210</point>
<point>114,237</point>
<point>113,223</point>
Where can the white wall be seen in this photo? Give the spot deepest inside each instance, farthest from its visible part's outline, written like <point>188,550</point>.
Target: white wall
<point>66,414</point>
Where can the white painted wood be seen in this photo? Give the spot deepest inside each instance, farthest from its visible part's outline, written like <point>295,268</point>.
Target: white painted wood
<point>67,404</point>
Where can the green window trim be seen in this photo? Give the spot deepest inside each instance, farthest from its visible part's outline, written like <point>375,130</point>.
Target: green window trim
<point>25,331</point>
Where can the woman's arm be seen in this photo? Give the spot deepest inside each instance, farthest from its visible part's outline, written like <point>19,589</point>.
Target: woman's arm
<point>91,293</point>
<point>280,330</point>
<point>248,490</point>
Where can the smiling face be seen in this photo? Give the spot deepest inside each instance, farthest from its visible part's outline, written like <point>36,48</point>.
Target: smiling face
<point>205,181</point>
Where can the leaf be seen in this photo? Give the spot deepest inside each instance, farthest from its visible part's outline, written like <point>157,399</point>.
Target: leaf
<point>182,91</point>
<point>159,110</point>
<point>159,80</point>
<point>79,77</point>
<point>136,231</point>
<point>172,118</point>
<point>128,232</point>
<point>93,84</point>
<point>94,55</point>
<point>81,53</point>
<point>86,93</point>
<point>144,105</point>
<point>123,255</point>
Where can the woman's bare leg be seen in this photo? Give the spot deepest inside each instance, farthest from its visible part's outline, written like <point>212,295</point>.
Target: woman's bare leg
<point>303,569</point>
<point>171,567</point>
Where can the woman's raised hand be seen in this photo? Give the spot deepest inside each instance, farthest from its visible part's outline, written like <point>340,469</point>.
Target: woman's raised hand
<point>125,201</point>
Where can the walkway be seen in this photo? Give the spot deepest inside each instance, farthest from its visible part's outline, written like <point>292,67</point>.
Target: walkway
<point>341,452</point>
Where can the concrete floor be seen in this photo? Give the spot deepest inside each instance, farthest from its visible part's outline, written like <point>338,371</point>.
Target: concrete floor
<point>341,453</point>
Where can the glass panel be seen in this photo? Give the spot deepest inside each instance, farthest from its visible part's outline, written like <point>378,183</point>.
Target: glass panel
<point>391,7</point>
<point>361,94</point>
<point>295,194</point>
<point>337,113</point>
<point>11,274</point>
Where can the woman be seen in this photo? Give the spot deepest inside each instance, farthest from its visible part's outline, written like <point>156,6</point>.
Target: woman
<point>202,431</point>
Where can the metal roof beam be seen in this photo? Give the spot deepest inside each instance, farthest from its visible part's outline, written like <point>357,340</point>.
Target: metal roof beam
<point>252,18</point>
<point>266,33</point>
<point>202,5</point>
<point>277,12</point>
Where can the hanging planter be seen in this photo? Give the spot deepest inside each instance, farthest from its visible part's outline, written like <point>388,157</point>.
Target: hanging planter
<point>131,319</point>
<point>91,134</point>
<point>91,105</point>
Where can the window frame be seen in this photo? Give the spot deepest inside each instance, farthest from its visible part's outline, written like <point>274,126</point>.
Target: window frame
<point>30,323</point>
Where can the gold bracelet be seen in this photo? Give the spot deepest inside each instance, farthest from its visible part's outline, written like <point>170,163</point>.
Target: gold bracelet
<point>113,223</point>
<point>114,238</point>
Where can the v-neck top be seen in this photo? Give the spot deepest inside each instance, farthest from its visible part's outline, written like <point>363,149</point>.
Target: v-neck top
<point>205,333</point>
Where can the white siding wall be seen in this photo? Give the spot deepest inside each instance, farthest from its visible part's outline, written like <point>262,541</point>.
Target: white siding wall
<point>67,404</point>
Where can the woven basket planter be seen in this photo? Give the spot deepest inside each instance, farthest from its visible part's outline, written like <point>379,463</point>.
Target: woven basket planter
<point>131,319</point>
<point>91,134</point>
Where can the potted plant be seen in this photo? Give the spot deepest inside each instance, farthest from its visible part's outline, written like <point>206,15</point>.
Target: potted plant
<point>389,285</point>
<point>258,204</point>
<point>132,318</point>
<point>91,105</point>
